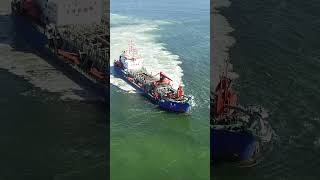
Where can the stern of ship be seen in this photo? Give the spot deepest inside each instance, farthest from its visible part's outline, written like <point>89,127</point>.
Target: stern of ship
<point>233,146</point>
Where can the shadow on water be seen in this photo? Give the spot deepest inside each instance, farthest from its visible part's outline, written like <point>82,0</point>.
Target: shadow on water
<point>42,136</point>
<point>25,34</point>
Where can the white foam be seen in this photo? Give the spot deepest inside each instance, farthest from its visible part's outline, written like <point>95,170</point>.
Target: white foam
<point>222,42</point>
<point>33,68</point>
<point>143,33</point>
<point>40,73</point>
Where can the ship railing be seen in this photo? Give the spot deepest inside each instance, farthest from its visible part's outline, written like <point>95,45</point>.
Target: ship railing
<point>87,41</point>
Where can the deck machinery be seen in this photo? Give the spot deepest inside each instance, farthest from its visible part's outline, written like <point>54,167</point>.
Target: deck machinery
<point>84,45</point>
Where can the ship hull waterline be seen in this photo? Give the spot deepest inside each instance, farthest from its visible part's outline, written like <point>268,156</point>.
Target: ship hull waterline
<point>229,146</point>
<point>165,105</point>
<point>33,34</point>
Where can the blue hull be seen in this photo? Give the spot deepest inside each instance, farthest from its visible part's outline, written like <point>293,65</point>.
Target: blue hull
<point>232,146</point>
<point>163,104</point>
<point>175,106</point>
<point>29,33</point>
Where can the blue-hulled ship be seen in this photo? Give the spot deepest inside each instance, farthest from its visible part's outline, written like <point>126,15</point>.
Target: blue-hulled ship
<point>237,133</point>
<point>158,89</point>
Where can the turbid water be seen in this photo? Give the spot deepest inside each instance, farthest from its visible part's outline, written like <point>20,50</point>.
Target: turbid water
<point>276,55</point>
<point>51,126</point>
<point>146,142</point>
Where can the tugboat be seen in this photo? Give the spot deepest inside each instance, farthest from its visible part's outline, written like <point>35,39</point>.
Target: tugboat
<point>159,90</point>
<point>237,133</point>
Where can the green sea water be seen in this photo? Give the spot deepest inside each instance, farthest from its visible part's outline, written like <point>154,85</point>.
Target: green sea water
<point>147,142</point>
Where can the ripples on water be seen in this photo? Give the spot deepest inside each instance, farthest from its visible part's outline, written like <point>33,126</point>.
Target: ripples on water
<point>276,55</point>
<point>172,36</point>
<point>21,55</point>
<point>143,33</point>
<point>48,129</point>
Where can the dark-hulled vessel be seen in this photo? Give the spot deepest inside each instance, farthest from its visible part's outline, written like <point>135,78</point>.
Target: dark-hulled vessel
<point>237,133</point>
<point>81,48</point>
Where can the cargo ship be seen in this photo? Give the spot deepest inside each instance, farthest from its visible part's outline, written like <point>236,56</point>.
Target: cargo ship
<point>73,38</point>
<point>237,133</point>
<point>159,90</point>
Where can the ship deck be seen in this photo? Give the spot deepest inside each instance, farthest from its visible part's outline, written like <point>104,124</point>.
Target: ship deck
<point>92,40</point>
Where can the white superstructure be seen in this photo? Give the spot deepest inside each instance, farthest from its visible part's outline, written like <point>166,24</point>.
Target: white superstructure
<point>131,63</point>
<point>68,12</point>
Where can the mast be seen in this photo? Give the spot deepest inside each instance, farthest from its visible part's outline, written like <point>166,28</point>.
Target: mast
<point>132,51</point>
<point>224,96</point>
<point>226,79</point>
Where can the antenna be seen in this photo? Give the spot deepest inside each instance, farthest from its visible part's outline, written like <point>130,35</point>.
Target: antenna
<point>132,50</point>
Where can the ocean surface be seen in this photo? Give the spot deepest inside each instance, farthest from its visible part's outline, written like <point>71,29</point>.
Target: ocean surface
<point>146,142</point>
<point>52,126</point>
<point>275,52</point>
